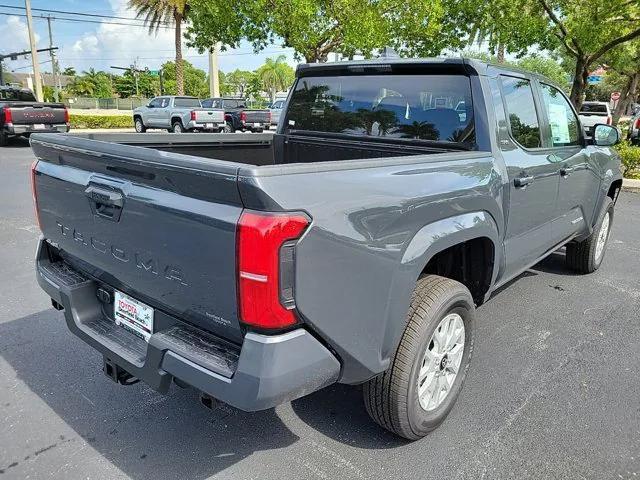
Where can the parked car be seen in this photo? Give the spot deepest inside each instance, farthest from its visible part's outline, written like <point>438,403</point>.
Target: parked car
<point>21,114</point>
<point>276,109</point>
<point>634,128</point>
<point>238,116</point>
<point>593,113</point>
<point>354,246</point>
<point>178,115</point>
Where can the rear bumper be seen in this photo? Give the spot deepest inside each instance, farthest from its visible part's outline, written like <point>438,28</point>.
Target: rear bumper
<point>266,371</point>
<point>211,126</point>
<point>12,129</point>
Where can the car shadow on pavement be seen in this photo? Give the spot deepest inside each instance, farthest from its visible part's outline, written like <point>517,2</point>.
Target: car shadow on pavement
<point>17,142</point>
<point>142,433</point>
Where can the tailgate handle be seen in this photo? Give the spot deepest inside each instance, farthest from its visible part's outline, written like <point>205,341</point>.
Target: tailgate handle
<point>105,203</point>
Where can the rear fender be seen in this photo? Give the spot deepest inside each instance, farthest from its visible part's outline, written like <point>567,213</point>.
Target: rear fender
<point>426,243</point>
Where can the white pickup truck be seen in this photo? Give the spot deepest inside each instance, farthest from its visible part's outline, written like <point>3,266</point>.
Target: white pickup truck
<point>592,113</point>
<point>178,115</point>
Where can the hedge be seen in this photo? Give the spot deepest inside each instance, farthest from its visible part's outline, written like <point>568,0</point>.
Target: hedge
<point>630,156</point>
<point>101,121</point>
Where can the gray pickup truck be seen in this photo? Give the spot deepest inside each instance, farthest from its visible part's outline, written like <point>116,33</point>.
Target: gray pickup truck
<point>354,246</point>
<point>178,115</point>
<point>21,114</point>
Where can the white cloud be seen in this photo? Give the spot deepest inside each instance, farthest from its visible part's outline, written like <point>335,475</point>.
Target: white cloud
<point>14,35</point>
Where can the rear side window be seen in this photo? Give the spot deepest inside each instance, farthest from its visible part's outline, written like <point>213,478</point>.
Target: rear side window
<point>597,108</point>
<point>186,102</point>
<point>562,120</point>
<point>521,111</point>
<point>423,107</point>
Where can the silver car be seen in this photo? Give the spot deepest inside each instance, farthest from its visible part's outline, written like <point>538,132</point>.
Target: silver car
<point>178,114</point>
<point>276,109</point>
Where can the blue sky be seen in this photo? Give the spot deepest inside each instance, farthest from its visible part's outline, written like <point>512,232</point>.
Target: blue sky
<point>100,45</point>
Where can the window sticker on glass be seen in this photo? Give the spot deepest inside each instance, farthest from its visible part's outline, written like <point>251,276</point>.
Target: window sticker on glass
<point>559,120</point>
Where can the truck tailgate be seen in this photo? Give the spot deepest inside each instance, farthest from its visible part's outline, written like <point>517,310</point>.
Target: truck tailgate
<point>258,116</point>
<point>37,113</point>
<point>159,227</point>
<point>209,116</point>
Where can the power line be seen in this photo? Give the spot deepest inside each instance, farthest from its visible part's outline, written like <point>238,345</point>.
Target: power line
<point>80,20</point>
<point>81,14</point>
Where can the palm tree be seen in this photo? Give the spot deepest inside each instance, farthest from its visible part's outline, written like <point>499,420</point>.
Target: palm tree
<point>275,75</point>
<point>159,13</point>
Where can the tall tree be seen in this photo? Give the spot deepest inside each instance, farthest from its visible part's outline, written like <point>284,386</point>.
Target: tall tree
<point>586,31</point>
<point>624,73</point>
<point>160,13</point>
<point>275,75</point>
<point>315,28</point>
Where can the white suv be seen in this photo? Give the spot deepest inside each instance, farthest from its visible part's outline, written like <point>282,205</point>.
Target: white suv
<point>592,113</point>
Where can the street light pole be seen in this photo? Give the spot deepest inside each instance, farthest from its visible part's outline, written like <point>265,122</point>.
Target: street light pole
<point>34,52</point>
<point>214,80</point>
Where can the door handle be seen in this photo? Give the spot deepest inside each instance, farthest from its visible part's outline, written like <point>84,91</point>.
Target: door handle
<point>566,171</point>
<point>522,181</point>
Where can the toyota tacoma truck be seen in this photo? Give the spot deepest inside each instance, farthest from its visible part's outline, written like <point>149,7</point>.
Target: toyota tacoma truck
<point>21,114</point>
<point>178,115</point>
<point>238,116</point>
<point>353,246</point>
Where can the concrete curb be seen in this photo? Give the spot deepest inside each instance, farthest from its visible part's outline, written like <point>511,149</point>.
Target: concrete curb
<point>631,185</point>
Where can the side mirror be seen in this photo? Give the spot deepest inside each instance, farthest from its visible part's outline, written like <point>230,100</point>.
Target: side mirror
<point>605,135</point>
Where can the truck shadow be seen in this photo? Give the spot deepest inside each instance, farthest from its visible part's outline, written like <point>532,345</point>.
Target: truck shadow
<point>142,433</point>
<point>17,142</point>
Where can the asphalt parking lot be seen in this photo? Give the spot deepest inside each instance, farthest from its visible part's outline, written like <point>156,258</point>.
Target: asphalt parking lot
<point>553,391</point>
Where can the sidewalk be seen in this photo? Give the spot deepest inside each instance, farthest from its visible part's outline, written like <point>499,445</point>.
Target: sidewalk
<point>631,185</point>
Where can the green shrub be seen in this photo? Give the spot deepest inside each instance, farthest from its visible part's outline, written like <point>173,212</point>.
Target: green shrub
<point>101,121</point>
<point>630,157</point>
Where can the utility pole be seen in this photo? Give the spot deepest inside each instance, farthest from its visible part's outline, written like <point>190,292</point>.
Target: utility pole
<point>214,80</point>
<point>34,52</point>
<point>54,67</point>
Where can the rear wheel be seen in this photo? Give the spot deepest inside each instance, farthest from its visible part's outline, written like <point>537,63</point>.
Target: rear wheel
<point>177,127</point>
<point>586,256</point>
<point>426,374</point>
<point>3,139</point>
<point>228,128</point>
<point>139,126</point>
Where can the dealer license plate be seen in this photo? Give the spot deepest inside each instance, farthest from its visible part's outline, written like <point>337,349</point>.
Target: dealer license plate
<point>208,125</point>
<point>133,315</point>
<point>38,126</point>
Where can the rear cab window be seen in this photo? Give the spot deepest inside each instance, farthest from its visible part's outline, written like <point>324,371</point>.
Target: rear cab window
<point>17,95</point>
<point>419,107</point>
<point>594,108</point>
<point>186,102</point>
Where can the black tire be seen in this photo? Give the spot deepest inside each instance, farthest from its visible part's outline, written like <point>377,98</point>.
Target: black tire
<point>177,127</point>
<point>4,139</point>
<point>582,256</point>
<point>139,125</point>
<point>391,398</point>
<point>228,128</point>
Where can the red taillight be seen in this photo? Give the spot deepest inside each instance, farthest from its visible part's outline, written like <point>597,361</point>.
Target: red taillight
<point>243,116</point>
<point>265,267</point>
<point>66,115</point>
<point>637,123</point>
<point>8,118</point>
<point>193,115</point>
<point>609,120</point>
<point>269,117</point>
<point>33,192</point>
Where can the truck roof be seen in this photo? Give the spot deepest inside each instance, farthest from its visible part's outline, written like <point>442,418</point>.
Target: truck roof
<point>459,65</point>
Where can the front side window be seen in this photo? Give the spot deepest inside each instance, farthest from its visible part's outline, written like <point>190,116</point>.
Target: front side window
<point>156,103</point>
<point>521,111</point>
<point>562,120</point>
<point>422,107</point>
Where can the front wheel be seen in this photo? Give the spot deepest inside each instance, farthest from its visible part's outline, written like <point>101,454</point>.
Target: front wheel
<point>426,374</point>
<point>139,126</point>
<point>586,256</point>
